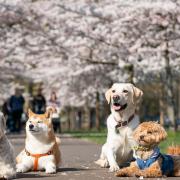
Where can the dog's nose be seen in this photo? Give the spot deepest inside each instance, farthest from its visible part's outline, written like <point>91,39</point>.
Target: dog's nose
<point>141,136</point>
<point>31,126</point>
<point>116,98</point>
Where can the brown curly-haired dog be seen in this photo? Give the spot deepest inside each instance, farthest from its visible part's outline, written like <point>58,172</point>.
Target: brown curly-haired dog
<point>149,161</point>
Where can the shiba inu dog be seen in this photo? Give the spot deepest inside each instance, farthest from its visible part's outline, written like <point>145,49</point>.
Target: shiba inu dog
<point>41,146</point>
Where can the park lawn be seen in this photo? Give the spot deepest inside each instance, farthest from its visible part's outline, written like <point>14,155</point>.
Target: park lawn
<point>100,138</point>
<point>172,139</point>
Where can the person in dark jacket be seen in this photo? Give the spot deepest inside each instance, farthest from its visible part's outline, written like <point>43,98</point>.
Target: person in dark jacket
<point>39,103</point>
<point>7,114</point>
<point>16,104</point>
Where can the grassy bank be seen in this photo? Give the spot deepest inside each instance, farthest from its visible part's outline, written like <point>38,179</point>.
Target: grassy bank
<point>100,138</point>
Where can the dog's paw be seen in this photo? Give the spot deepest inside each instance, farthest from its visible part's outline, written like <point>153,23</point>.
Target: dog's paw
<point>121,173</point>
<point>20,168</point>
<point>113,168</point>
<point>9,176</point>
<point>51,170</point>
<point>103,163</point>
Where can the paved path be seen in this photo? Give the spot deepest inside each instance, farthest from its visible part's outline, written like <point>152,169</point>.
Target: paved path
<point>78,161</point>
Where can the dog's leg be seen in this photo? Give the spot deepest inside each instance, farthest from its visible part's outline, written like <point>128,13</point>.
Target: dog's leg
<point>23,167</point>
<point>7,172</point>
<point>111,156</point>
<point>132,170</point>
<point>102,161</point>
<point>50,168</point>
<point>47,163</point>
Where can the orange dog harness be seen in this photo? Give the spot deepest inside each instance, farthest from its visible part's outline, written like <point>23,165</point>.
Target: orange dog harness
<point>36,158</point>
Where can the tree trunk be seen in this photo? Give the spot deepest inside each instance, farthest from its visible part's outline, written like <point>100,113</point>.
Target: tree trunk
<point>97,111</point>
<point>161,109</point>
<point>68,119</point>
<point>129,68</point>
<point>73,119</point>
<point>87,120</point>
<point>171,109</point>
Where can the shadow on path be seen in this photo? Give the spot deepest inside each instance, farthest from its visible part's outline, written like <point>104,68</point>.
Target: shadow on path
<point>71,169</point>
<point>29,175</point>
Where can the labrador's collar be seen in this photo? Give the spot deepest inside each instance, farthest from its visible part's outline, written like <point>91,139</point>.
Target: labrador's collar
<point>124,123</point>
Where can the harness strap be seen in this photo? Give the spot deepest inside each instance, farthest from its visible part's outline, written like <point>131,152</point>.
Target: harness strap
<point>36,157</point>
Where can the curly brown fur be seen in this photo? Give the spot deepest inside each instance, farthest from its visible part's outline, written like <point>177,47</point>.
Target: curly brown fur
<point>149,135</point>
<point>174,150</point>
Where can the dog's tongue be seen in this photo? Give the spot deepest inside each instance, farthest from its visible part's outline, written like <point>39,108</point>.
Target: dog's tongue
<point>116,107</point>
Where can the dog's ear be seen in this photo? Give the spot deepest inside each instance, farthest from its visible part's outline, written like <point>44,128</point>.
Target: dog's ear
<point>137,94</point>
<point>49,112</point>
<point>162,133</point>
<point>136,132</point>
<point>30,113</point>
<point>108,95</point>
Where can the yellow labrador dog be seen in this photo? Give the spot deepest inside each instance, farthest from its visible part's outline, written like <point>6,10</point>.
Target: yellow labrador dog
<point>123,98</point>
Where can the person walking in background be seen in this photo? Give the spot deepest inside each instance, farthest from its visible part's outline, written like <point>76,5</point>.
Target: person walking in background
<point>16,104</point>
<point>7,114</point>
<point>39,103</point>
<point>53,102</point>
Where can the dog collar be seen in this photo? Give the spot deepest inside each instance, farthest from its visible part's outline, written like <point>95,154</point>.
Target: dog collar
<point>140,148</point>
<point>124,123</point>
<point>36,157</point>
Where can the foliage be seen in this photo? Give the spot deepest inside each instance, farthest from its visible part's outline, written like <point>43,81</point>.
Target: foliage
<point>80,47</point>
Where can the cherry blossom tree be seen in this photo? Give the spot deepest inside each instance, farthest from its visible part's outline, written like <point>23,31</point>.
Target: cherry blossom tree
<point>81,47</point>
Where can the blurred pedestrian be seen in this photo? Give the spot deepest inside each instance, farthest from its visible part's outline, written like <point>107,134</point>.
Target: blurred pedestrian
<point>16,104</point>
<point>39,102</point>
<point>7,114</point>
<point>53,102</point>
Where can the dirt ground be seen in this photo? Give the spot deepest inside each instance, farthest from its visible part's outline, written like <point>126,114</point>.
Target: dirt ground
<point>78,158</point>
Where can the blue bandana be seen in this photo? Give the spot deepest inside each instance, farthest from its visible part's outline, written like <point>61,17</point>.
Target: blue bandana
<point>167,163</point>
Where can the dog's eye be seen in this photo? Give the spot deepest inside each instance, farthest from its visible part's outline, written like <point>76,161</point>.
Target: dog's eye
<point>125,91</point>
<point>113,91</point>
<point>30,121</point>
<point>39,122</point>
<point>149,132</point>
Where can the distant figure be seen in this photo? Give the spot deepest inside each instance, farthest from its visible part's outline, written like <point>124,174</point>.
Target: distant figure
<point>16,104</point>
<point>39,103</point>
<point>53,102</point>
<point>7,114</point>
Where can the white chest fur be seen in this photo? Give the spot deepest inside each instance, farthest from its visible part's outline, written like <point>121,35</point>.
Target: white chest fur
<point>38,146</point>
<point>121,137</point>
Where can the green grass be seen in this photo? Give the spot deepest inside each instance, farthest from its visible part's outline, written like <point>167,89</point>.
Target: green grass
<point>97,137</point>
<point>173,139</point>
<point>100,138</point>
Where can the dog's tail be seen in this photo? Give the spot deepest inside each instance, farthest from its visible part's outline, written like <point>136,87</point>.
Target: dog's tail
<point>174,150</point>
